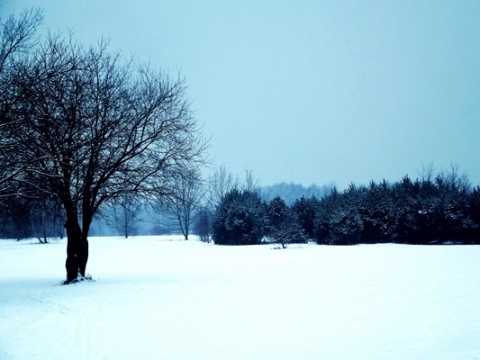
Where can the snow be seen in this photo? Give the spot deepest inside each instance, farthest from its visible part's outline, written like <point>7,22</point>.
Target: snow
<point>163,298</point>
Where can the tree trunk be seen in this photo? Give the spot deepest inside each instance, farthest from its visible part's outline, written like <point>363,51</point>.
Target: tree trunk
<point>77,250</point>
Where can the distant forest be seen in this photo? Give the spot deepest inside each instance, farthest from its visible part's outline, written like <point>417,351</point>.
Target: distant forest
<point>291,192</point>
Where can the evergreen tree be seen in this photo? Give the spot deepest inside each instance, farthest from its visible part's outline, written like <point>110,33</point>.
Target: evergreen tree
<point>376,211</point>
<point>282,224</point>
<point>473,229</point>
<point>406,210</point>
<point>239,219</point>
<point>306,210</point>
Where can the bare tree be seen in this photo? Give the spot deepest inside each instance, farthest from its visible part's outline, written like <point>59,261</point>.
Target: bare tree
<point>46,218</point>
<point>92,128</point>
<point>125,214</point>
<point>251,183</point>
<point>203,224</point>
<point>17,37</point>
<point>186,201</point>
<point>221,183</point>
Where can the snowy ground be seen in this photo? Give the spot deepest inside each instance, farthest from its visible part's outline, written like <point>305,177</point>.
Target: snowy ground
<point>158,299</point>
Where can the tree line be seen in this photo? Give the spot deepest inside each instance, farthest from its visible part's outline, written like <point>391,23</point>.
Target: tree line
<point>436,209</point>
<point>441,209</point>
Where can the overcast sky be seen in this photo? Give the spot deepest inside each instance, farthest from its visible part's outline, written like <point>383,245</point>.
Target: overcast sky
<point>308,91</point>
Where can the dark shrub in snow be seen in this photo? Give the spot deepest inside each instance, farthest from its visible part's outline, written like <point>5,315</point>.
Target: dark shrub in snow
<point>239,219</point>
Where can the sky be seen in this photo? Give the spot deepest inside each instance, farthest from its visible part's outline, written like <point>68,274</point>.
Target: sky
<point>308,91</point>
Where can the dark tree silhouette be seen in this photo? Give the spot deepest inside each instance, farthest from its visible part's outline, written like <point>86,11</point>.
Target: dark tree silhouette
<point>305,210</point>
<point>239,219</point>
<point>87,128</point>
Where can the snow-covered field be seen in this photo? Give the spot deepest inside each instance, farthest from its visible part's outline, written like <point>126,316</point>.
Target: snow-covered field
<point>159,298</point>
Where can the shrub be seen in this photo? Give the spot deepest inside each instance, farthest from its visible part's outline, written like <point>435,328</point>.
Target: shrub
<point>239,219</point>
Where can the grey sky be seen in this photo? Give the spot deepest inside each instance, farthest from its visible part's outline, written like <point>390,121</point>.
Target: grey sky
<point>309,91</point>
